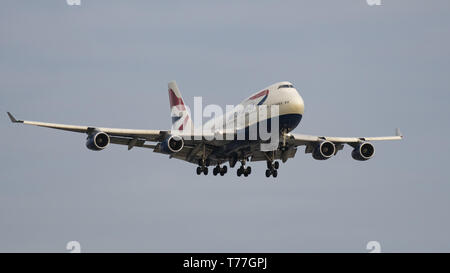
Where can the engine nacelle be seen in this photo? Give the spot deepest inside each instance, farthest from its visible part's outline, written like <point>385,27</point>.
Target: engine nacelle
<point>324,150</point>
<point>172,144</point>
<point>364,151</point>
<point>97,141</point>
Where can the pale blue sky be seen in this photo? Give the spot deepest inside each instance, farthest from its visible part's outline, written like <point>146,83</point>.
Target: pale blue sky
<point>361,71</point>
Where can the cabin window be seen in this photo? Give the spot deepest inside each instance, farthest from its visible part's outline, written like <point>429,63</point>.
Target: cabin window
<point>286,86</point>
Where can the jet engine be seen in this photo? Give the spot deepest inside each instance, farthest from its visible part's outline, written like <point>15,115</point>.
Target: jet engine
<point>364,151</point>
<point>97,141</point>
<point>172,144</point>
<point>324,150</point>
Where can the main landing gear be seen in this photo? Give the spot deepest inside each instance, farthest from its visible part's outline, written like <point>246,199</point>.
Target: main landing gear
<point>220,170</point>
<point>272,168</point>
<point>203,167</point>
<point>244,170</point>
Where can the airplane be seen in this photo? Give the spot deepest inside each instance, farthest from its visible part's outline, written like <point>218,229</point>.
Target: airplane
<point>181,142</point>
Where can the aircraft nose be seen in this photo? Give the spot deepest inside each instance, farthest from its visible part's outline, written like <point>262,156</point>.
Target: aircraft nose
<point>297,104</point>
<point>293,102</point>
<point>300,105</point>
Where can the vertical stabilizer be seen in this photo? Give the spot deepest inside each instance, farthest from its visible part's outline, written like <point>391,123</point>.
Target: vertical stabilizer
<point>181,119</point>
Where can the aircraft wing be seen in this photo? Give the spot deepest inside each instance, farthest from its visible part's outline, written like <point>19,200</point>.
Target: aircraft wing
<point>299,139</point>
<point>130,137</point>
<point>191,152</point>
<point>195,148</point>
<point>311,142</point>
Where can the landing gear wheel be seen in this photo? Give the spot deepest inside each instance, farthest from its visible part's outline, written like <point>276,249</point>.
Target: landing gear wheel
<point>268,173</point>
<point>199,170</point>
<point>249,170</point>
<point>205,171</point>
<point>276,165</point>
<point>215,171</point>
<point>274,173</point>
<point>223,170</point>
<point>239,171</point>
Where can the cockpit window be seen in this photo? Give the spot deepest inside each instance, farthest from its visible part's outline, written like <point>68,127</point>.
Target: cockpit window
<point>286,86</point>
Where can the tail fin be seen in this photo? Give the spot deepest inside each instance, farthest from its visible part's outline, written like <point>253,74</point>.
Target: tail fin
<point>181,119</point>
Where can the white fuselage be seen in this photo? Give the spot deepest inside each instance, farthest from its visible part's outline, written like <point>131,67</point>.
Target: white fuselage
<point>282,94</point>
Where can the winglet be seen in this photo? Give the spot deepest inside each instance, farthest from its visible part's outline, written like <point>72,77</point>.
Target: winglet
<point>398,133</point>
<point>13,119</point>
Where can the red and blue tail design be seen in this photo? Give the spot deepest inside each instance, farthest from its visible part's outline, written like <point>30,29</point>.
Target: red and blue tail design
<point>180,115</point>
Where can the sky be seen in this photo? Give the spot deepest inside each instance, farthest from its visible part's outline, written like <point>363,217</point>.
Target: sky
<point>362,71</point>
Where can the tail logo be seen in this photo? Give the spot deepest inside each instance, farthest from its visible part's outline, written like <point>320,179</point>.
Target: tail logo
<point>180,117</point>
<point>176,101</point>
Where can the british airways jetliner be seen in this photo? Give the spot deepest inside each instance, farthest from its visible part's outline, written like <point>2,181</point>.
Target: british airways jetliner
<point>183,142</point>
